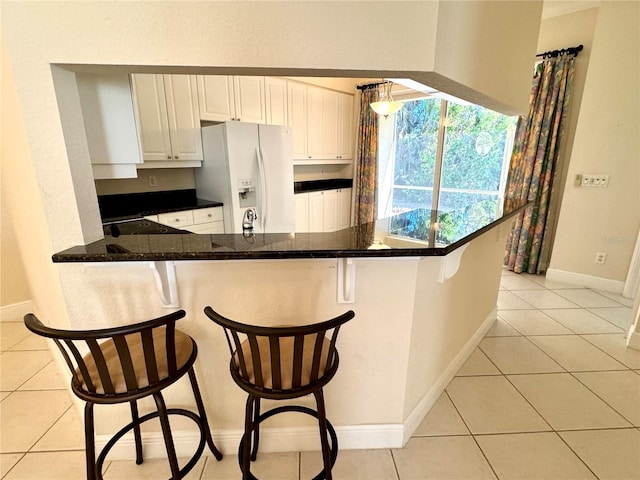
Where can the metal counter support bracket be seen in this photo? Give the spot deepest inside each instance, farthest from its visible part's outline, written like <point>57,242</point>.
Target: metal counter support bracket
<point>346,280</point>
<point>165,275</point>
<point>450,263</point>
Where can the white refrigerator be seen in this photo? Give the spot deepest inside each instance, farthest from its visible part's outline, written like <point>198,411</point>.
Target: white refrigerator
<point>249,166</point>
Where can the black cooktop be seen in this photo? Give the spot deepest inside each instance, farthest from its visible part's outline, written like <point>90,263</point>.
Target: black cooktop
<point>139,226</point>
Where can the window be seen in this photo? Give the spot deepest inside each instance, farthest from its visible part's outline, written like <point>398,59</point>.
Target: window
<point>446,156</point>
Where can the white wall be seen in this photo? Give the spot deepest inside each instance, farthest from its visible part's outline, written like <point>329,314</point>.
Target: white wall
<point>606,141</point>
<point>563,31</point>
<point>478,57</point>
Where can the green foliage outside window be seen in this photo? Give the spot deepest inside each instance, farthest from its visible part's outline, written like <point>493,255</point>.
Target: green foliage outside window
<point>472,160</point>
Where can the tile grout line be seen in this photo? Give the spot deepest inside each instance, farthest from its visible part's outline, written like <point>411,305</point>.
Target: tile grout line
<point>599,397</point>
<point>472,435</point>
<point>395,466</point>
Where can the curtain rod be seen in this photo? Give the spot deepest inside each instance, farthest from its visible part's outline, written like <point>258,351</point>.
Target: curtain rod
<point>370,85</point>
<point>564,51</point>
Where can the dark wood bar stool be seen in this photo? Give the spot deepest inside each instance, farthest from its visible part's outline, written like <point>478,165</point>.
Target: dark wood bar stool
<point>282,363</point>
<point>129,363</point>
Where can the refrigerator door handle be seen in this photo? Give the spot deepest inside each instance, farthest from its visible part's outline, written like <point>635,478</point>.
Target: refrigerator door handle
<point>263,188</point>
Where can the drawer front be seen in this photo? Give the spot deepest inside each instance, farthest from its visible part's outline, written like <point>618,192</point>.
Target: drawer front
<point>207,228</point>
<point>206,215</point>
<point>176,219</point>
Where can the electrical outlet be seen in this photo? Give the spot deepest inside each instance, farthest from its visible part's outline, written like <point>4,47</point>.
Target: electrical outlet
<point>601,257</point>
<point>152,181</point>
<point>595,181</point>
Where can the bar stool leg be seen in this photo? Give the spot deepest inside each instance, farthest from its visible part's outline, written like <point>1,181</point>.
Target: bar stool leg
<point>324,440</point>
<point>246,447</point>
<point>168,438</point>
<point>90,448</point>
<point>256,431</point>
<point>203,414</point>
<point>136,431</point>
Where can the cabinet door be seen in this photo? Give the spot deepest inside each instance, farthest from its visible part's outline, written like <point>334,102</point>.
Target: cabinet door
<point>314,122</point>
<point>297,118</point>
<point>215,98</point>
<point>276,100</point>
<point>330,212</point>
<point>329,124</point>
<point>345,126</point>
<point>302,211</point>
<point>249,99</point>
<point>184,117</point>
<point>344,208</point>
<point>151,116</point>
<point>316,212</point>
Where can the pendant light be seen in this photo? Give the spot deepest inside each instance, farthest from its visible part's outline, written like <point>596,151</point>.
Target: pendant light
<point>386,105</point>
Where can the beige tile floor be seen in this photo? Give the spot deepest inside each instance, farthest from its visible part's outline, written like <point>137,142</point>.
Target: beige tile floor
<point>550,393</point>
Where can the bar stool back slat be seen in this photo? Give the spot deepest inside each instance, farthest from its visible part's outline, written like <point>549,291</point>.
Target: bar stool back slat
<point>280,363</point>
<point>129,363</point>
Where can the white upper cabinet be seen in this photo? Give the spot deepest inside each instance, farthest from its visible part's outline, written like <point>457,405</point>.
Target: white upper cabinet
<point>346,137</point>
<point>225,97</point>
<point>297,118</point>
<point>330,124</point>
<point>276,100</point>
<point>321,121</point>
<point>314,123</point>
<point>168,120</point>
<point>110,126</point>
<point>215,96</point>
<point>184,117</point>
<point>249,99</point>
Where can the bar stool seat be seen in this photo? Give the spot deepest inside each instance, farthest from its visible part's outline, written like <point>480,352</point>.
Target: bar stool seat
<point>280,363</point>
<point>131,362</point>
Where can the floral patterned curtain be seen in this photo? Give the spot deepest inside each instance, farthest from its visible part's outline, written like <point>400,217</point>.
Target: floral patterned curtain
<point>366,159</point>
<point>534,160</point>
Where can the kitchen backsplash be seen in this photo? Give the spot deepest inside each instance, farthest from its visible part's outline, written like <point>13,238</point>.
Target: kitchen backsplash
<point>163,178</point>
<point>183,178</point>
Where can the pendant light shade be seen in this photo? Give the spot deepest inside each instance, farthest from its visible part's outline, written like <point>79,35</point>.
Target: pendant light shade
<point>386,105</point>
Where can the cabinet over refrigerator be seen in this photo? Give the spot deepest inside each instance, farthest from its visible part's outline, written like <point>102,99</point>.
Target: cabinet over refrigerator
<point>249,167</point>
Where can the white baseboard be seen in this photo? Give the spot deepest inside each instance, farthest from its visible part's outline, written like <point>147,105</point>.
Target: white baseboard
<point>599,283</point>
<point>294,439</point>
<point>420,411</point>
<point>633,338</point>
<point>15,311</point>
<point>297,439</point>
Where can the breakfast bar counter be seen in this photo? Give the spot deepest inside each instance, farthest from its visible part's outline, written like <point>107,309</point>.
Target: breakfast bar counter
<point>414,233</point>
<point>423,286</point>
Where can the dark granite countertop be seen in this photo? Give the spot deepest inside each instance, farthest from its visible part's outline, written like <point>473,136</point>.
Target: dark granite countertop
<point>135,205</point>
<point>418,232</point>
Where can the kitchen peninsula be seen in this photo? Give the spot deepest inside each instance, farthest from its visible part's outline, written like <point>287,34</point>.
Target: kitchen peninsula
<point>423,285</point>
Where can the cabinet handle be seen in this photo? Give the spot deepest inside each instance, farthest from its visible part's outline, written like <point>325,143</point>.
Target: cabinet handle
<point>309,156</point>
<point>177,157</point>
<point>209,215</point>
<point>168,157</point>
<point>177,220</point>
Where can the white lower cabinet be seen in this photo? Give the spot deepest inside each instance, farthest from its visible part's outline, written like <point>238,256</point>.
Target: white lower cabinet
<point>344,208</point>
<point>202,220</point>
<point>323,211</point>
<point>302,211</point>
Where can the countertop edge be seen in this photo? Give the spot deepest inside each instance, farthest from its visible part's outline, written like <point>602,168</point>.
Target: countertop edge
<point>62,257</point>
